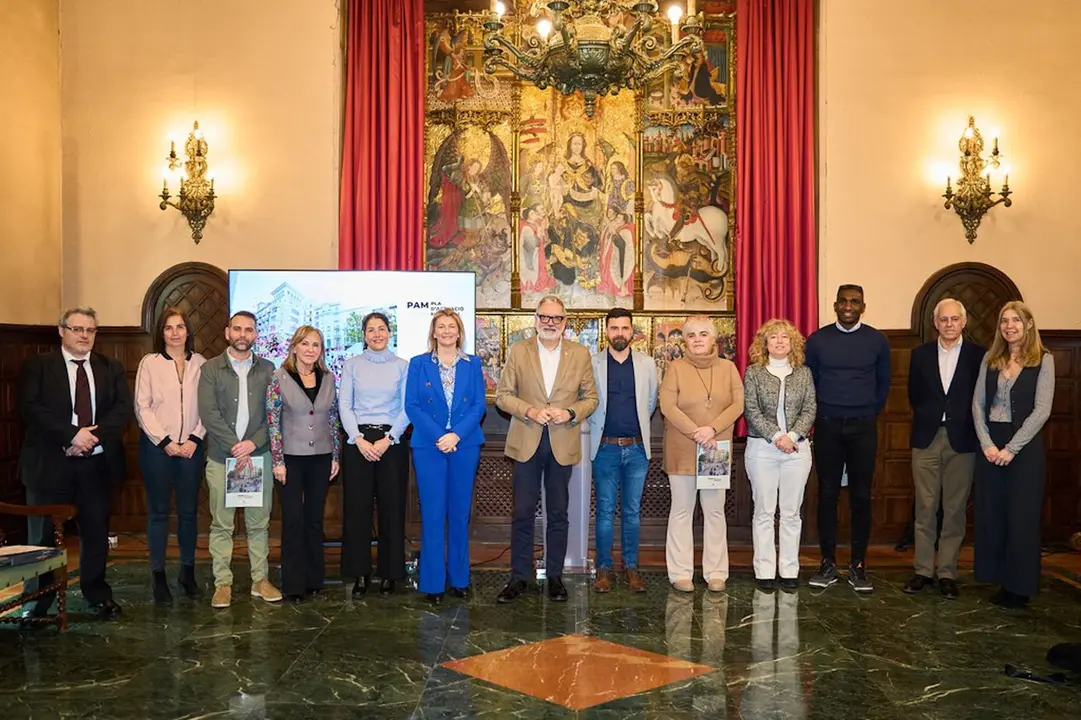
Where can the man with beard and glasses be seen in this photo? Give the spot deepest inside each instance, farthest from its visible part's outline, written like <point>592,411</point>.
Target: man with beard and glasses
<point>547,387</point>
<point>619,445</point>
<point>232,405</point>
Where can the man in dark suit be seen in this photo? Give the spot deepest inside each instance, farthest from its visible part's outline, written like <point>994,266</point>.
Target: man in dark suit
<point>75,404</point>
<point>941,379</point>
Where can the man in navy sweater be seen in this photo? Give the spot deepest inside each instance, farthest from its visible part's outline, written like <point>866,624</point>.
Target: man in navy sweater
<point>850,362</point>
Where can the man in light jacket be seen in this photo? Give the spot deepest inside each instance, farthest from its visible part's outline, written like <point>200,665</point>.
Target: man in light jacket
<point>619,445</point>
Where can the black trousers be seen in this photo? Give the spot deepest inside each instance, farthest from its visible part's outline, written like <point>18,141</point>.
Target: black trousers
<point>302,499</point>
<point>386,483</point>
<point>1009,503</point>
<point>528,477</point>
<point>87,487</point>
<point>841,443</point>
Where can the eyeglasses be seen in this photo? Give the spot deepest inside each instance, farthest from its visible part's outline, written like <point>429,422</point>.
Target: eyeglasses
<point>551,319</point>
<point>80,330</point>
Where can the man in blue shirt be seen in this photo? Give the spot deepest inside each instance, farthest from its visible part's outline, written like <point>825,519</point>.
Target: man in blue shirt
<point>850,362</point>
<point>619,443</point>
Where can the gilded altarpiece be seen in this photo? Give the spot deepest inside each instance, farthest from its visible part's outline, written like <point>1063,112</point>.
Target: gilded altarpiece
<point>632,207</point>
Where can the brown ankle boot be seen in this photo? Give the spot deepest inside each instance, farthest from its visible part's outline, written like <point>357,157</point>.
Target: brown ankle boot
<point>603,583</point>
<point>635,581</point>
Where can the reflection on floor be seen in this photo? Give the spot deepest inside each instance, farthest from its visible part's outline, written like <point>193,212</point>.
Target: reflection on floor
<point>664,654</point>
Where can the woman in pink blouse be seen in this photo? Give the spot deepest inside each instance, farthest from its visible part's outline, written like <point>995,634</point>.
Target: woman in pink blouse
<point>170,450</point>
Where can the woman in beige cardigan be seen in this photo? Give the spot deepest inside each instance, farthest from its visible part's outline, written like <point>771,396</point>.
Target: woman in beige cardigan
<point>701,399</point>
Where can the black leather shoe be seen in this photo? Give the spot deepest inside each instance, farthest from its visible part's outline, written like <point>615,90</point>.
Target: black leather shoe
<point>186,580</point>
<point>460,593</point>
<point>766,585</point>
<point>511,591</point>
<point>162,595</point>
<point>790,583</point>
<point>108,609</point>
<point>361,585</point>
<point>435,598</point>
<point>948,588</point>
<point>294,599</point>
<point>916,584</point>
<point>386,587</point>
<point>557,591</point>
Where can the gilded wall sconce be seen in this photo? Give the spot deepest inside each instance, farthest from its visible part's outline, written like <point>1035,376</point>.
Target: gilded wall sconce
<point>974,196</point>
<point>196,199</point>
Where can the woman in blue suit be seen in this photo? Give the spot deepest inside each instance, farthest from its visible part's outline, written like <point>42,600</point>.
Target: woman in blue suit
<point>444,399</point>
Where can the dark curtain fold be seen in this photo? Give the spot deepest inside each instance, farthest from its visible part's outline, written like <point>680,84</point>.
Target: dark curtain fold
<point>381,222</point>
<point>776,244</point>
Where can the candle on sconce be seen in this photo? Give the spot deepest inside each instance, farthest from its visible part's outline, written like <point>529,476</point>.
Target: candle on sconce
<point>692,10</point>
<point>1006,180</point>
<point>674,13</point>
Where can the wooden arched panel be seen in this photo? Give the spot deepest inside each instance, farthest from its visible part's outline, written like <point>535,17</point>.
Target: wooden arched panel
<point>982,288</point>
<point>200,290</point>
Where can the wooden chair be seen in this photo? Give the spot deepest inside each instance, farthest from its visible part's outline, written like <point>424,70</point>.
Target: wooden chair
<point>15,576</point>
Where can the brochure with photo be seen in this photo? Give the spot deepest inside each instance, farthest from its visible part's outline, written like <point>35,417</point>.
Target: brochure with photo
<point>244,480</point>
<point>714,467</point>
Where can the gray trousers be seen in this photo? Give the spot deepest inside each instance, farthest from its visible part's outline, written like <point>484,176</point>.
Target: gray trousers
<point>938,470</point>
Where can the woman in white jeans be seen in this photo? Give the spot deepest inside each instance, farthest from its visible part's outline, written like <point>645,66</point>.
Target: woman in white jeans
<point>779,397</point>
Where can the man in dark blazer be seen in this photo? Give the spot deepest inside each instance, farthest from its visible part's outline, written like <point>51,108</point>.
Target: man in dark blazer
<point>941,379</point>
<point>75,404</point>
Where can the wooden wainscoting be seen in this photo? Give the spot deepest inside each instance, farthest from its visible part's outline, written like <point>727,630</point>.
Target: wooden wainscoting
<point>493,503</point>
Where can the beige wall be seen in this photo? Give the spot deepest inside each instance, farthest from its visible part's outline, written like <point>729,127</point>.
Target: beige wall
<point>264,82</point>
<point>897,82</point>
<point>30,160</point>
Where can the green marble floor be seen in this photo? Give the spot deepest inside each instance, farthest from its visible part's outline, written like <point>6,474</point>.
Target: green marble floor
<point>809,654</point>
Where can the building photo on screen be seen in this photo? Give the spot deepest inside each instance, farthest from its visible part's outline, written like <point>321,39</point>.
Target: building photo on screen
<point>336,302</point>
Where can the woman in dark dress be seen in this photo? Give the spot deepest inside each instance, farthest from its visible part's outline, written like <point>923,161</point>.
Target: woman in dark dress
<point>1014,391</point>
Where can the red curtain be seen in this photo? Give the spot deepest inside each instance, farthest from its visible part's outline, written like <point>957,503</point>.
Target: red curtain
<point>776,247</point>
<point>381,222</point>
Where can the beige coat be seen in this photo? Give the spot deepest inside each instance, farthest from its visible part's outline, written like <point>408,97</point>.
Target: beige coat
<point>521,386</point>
<point>683,403</point>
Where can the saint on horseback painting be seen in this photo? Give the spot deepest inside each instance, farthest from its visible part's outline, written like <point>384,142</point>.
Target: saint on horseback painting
<point>687,229</point>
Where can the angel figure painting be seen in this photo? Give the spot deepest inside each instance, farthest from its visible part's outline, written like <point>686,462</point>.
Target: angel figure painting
<point>452,78</point>
<point>468,220</point>
<point>687,243</point>
<point>454,64</point>
<point>576,233</point>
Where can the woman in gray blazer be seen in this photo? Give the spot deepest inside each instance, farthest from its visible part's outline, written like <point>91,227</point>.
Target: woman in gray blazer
<point>779,405</point>
<point>305,444</point>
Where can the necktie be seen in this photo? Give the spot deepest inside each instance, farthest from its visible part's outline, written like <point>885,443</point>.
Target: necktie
<point>83,410</point>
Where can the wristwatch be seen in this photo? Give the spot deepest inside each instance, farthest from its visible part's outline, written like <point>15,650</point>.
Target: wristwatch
<point>571,413</point>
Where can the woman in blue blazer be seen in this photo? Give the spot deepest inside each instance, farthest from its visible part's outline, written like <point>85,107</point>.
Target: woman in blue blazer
<point>444,399</point>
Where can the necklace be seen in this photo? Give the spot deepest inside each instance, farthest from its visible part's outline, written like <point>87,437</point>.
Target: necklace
<point>709,390</point>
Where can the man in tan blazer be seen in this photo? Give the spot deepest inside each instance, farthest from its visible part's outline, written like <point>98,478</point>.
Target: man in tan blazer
<point>547,387</point>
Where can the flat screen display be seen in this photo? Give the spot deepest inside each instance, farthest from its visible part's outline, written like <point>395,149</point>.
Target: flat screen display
<point>336,301</point>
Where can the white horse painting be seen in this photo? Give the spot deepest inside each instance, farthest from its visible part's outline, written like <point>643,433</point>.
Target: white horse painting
<point>710,231</point>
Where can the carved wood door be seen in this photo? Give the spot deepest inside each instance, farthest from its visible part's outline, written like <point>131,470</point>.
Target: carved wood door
<point>200,290</point>
<point>982,288</point>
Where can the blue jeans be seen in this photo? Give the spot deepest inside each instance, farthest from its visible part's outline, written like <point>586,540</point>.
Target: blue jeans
<point>622,469</point>
<point>162,475</point>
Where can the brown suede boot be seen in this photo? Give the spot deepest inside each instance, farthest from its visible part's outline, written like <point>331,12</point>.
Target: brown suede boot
<point>634,580</point>
<point>603,583</point>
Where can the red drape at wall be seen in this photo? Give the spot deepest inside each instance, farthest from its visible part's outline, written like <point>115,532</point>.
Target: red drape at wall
<point>776,247</point>
<point>381,223</point>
